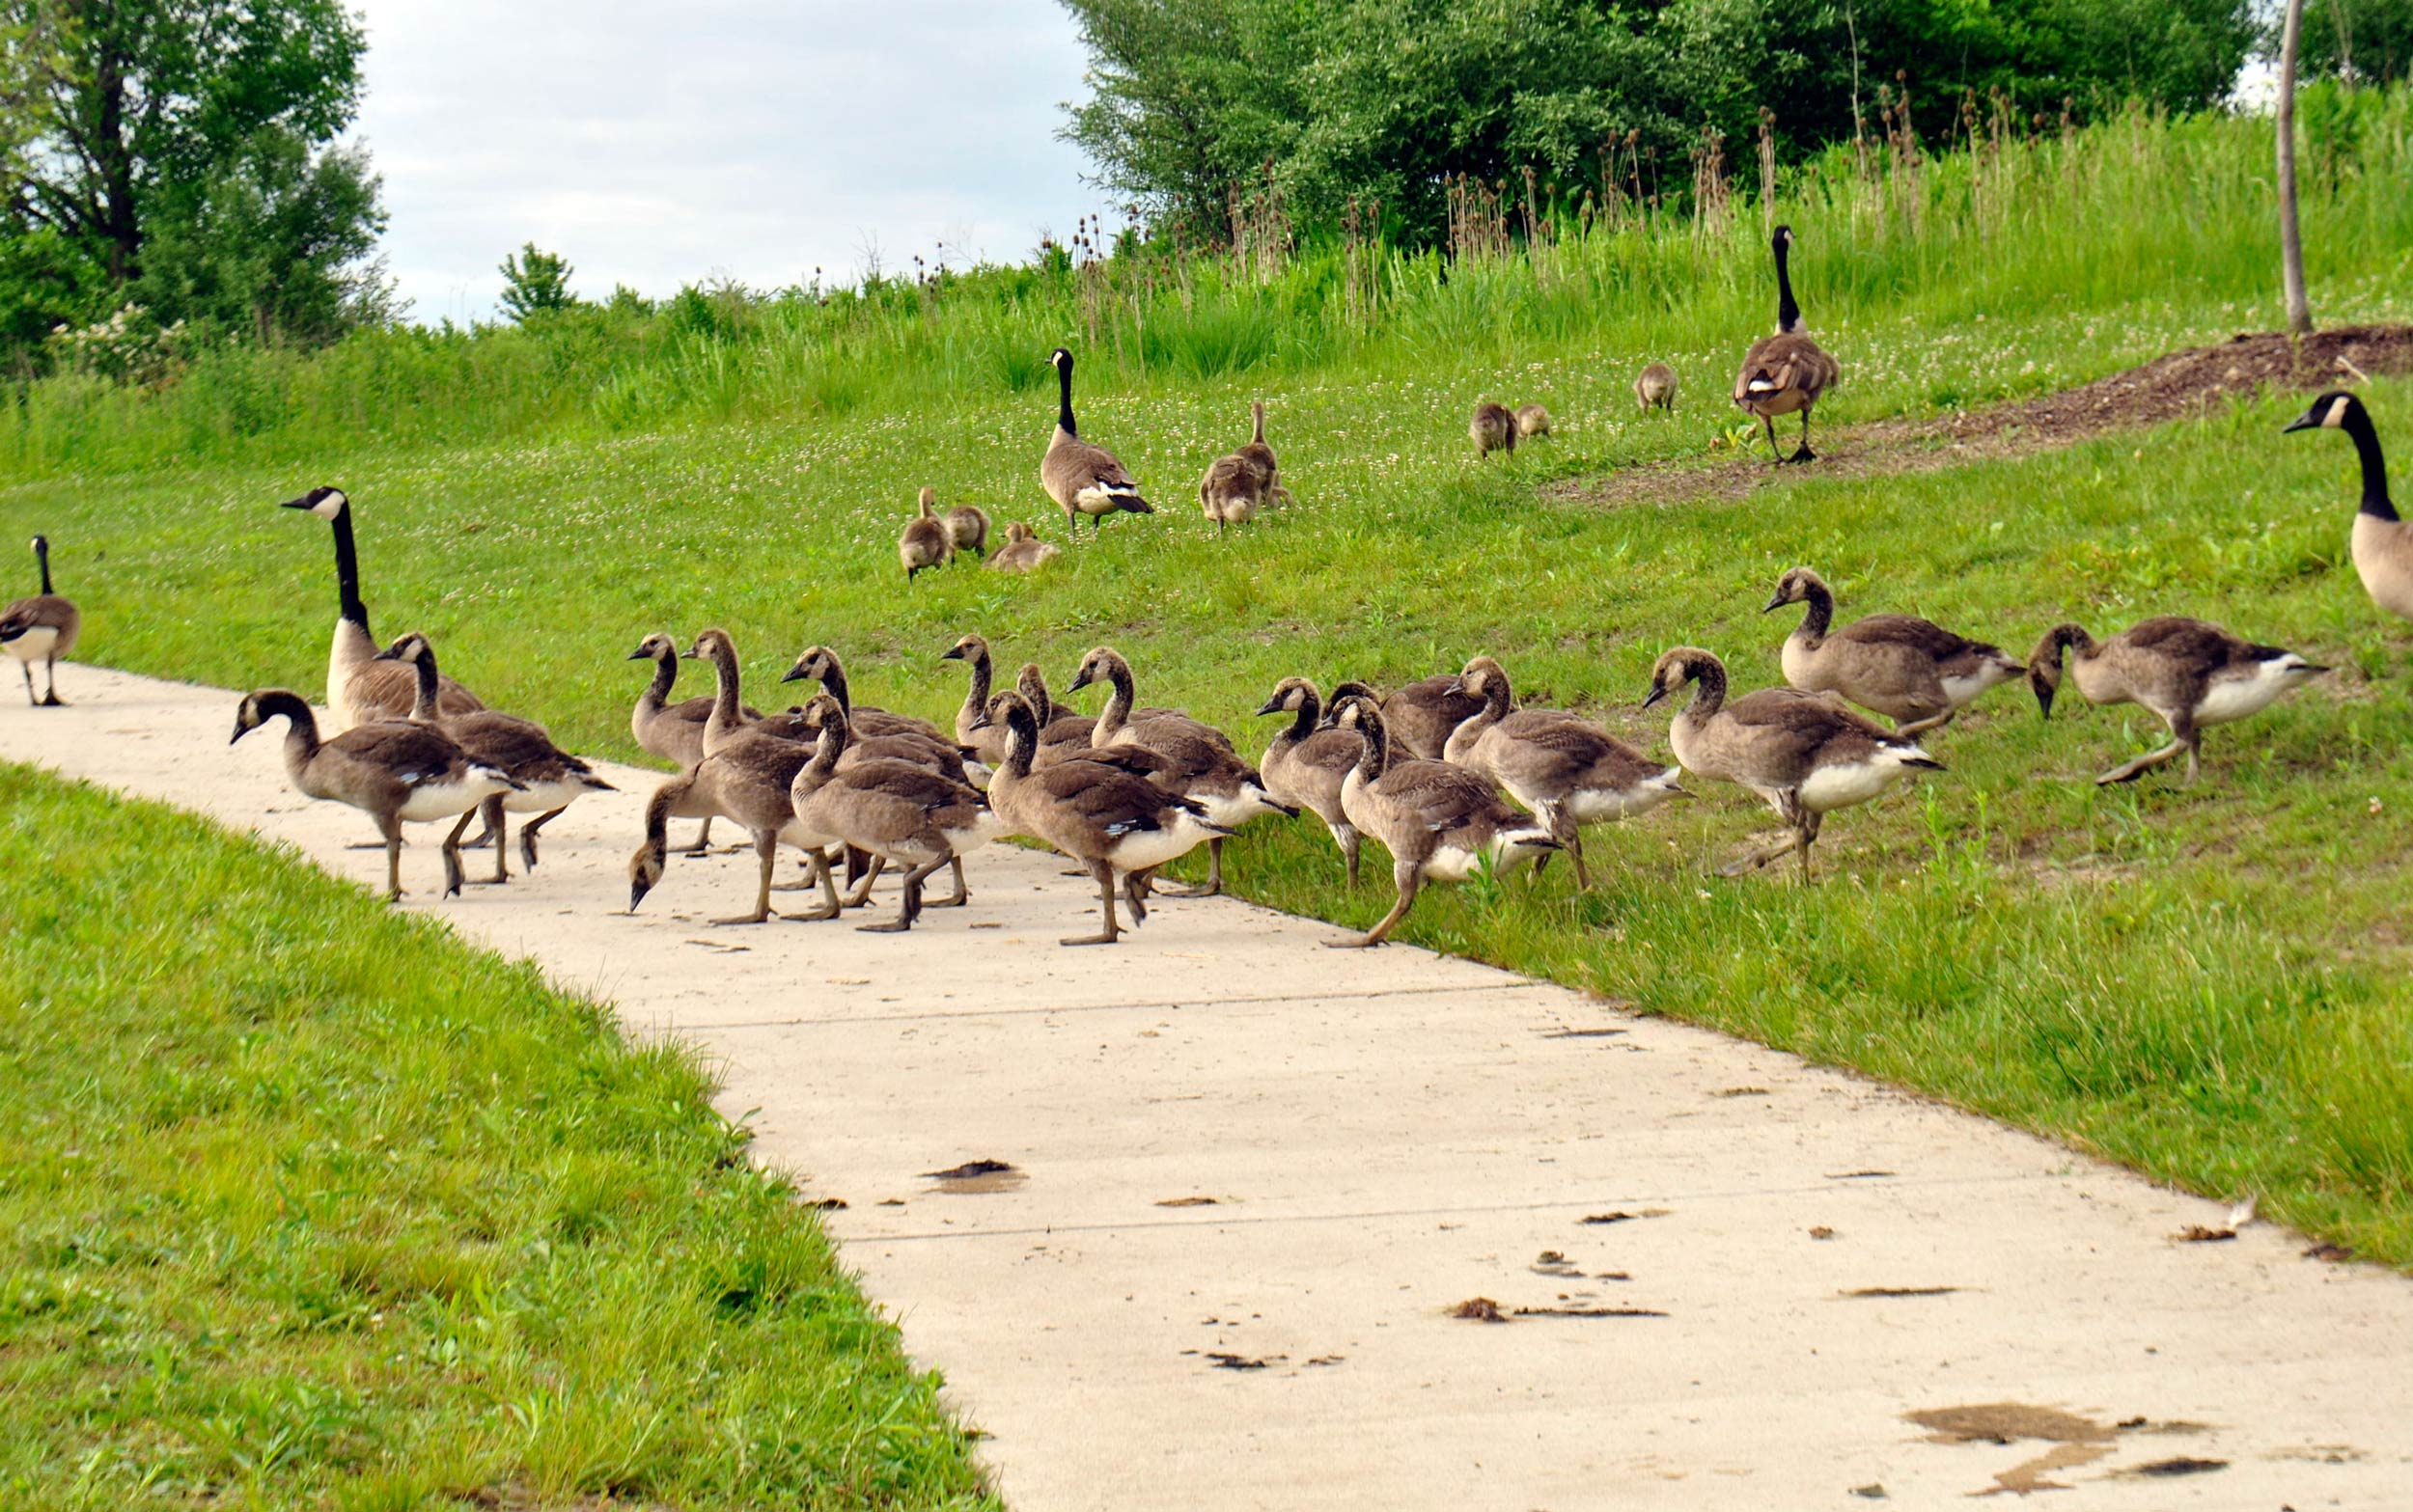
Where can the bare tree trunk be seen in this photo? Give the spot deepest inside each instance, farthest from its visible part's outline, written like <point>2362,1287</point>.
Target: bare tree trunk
<point>2290,238</point>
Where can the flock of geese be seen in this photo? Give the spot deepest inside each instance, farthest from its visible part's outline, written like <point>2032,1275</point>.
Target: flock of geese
<point>1429,770</point>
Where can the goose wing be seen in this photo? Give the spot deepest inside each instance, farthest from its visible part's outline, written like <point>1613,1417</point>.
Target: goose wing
<point>1557,748</point>
<point>1777,736</point>
<point>1789,362</point>
<point>1449,801</point>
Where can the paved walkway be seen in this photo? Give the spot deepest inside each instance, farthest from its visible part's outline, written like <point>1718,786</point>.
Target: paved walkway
<point>1252,1178</point>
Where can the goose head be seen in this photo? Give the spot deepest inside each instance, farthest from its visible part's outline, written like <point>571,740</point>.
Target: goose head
<point>711,645</point>
<point>655,648</point>
<point>2332,411</point>
<point>817,662</point>
<point>413,647</point>
<point>1061,359</point>
<point>971,648</point>
<point>324,501</point>
<point>822,712</point>
<point>1290,696</point>
<point>1348,688</point>
<point>1477,678</point>
<point>1796,586</point>
<point>1102,663</point>
<point>1678,667</point>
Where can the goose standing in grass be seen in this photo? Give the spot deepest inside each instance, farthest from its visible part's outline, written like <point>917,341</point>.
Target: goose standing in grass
<point>547,779</point>
<point>2382,544</point>
<point>1112,822</point>
<point>979,739</point>
<point>926,541</point>
<point>1421,715</point>
<point>41,629</point>
<point>1655,389</point>
<point>1568,771</point>
<point>2188,672</point>
<point>1913,672</point>
<point>1197,759</point>
<point>1082,478</point>
<point>674,732</point>
<point>967,530</point>
<point>1022,552</point>
<point>1308,762</point>
<point>392,770</point>
<point>1804,753</point>
<point>1261,456</point>
<point>1440,823</point>
<point>1493,429</point>
<point>1235,486</point>
<point>903,813</point>
<point>360,687</point>
<point>1785,372</point>
<point>1533,422</point>
<point>746,779</point>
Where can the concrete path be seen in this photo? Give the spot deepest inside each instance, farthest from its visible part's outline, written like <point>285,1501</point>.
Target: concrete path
<point>1252,1178</point>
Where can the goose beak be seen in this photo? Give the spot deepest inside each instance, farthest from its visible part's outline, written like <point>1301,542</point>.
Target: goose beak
<point>640,654</point>
<point>303,503</point>
<point>2308,421</point>
<point>693,652</point>
<point>2043,701</point>
<point>794,674</point>
<point>1656,694</point>
<point>953,653</point>
<point>1778,602</point>
<point>1080,680</point>
<point>636,894</point>
<point>239,733</point>
<point>981,721</point>
<point>1272,706</point>
<point>386,655</point>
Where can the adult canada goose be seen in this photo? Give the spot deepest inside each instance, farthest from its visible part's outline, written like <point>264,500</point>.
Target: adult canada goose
<point>746,777</point>
<point>548,778</point>
<point>390,770</point>
<point>1571,772</point>
<point>1421,715</point>
<point>1655,389</point>
<point>1022,551</point>
<point>2382,544</point>
<point>896,810</point>
<point>1804,753</point>
<point>1232,492</point>
<point>1912,671</point>
<point>1201,763</point>
<point>1440,823</point>
<point>1787,371</point>
<point>1307,763</point>
<point>1532,421</point>
<point>1493,429</point>
<point>2188,672</point>
<point>1107,819</point>
<point>967,529</point>
<point>674,732</point>
<point>927,541</point>
<point>41,629</point>
<point>360,687</point>
<point>1082,478</point>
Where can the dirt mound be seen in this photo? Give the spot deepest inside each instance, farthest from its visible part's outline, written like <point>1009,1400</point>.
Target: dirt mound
<point>2171,387</point>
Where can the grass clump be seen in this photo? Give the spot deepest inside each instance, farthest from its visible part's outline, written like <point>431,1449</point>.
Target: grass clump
<point>309,1205</point>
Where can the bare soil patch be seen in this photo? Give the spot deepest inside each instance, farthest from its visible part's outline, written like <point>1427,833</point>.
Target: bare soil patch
<point>2175,387</point>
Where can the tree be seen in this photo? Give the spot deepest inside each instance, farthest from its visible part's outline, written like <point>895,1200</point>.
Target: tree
<point>2290,239</point>
<point>535,282</point>
<point>149,135</point>
<point>2363,41</point>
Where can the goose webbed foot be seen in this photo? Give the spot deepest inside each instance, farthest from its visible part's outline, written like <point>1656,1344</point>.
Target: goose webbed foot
<point>962,894</point>
<point>1213,885</point>
<point>52,701</point>
<point>1366,943</point>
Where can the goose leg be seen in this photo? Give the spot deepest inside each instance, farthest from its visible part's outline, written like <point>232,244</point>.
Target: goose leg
<point>528,835</point>
<point>1105,878</point>
<point>767,851</point>
<point>393,828</point>
<point>1775,450</point>
<point>29,685</point>
<point>1920,727</point>
<point>50,699</point>
<point>491,811</point>
<point>2130,771</point>
<point>862,892</point>
<point>909,908</point>
<point>1408,877</point>
<point>452,853</point>
<point>962,894</point>
<point>1805,454</point>
<point>1214,874</point>
<point>1135,890</point>
<point>703,845</point>
<point>818,867</point>
<point>1346,836</point>
<point>1574,841</point>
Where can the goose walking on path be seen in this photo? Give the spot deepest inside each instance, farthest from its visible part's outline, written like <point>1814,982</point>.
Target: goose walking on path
<point>1804,753</point>
<point>1083,479</point>
<point>1785,373</point>
<point>360,687</point>
<point>390,770</point>
<point>1912,671</point>
<point>2382,544</point>
<point>1308,764</point>
<point>2188,672</point>
<point>747,780</point>
<point>674,732</point>
<point>902,813</point>
<point>41,629</point>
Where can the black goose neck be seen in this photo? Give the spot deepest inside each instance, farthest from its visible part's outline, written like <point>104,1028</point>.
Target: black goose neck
<point>977,696</point>
<point>1819,604</point>
<point>829,747</point>
<point>348,571</point>
<point>665,677</point>
<point>2358,425</point>
<point>1021,738</point>
<point>42,555</point>
<point>1063,399</point>
<point>1374,758</point>
<point>1787,313</point>
<point>423,704</point>
<point>725,690</point>
<point>1709,676</point>
<point>1303,720</point>
<point>834,683</point>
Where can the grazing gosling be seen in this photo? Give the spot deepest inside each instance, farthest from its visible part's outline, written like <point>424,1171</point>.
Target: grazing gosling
<point>1912,671</point>
<point>1261,454</point>
<point>2190,673</point>
<point>1493,429</point>
<point>1804,753</point>
<point>1571,772</point>
<point>1022,552</point>
<point>1308,762</point>
<point>967,530</point>
<point>926,541</point>
<point>745,779</point>
<point>1110,821</point>
<point>390,770</point>
<point>1440,823</point>
<point>2382,544</point>
<point>1533,423</point>
<point>1083,479</point>
<point>1785,372</point>
<point>41,629</point>
<point>1655,389</point>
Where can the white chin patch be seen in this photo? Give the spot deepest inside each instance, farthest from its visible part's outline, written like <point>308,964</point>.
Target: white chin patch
<point>2336,415</point>
<point>329,506</point>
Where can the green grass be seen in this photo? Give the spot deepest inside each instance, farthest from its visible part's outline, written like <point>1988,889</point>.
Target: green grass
<point>292,1226</point>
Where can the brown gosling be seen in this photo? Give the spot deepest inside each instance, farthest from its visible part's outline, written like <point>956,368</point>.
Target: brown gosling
<point>926,542</point>
<point>1261,454</point>
<point>1655,389</point>
<point>745,779</point>
<point>1420,717</point>
<point>905,814</point>
<point>2188,672</point>
<point>673,733</point>
<point>967,530</point>
<point>1533,422</point>
<point>1440,823</point>
<point>1083,479</point>
<point>2382,544</point>
<point>1022,552</point>
<point>1785,372</point>
<point>1804,753</point>
<point>41,629</point>
<point>1912,671</point>
<point>1307,763</point>
<point>1493,429</point>
<point>390,770</point>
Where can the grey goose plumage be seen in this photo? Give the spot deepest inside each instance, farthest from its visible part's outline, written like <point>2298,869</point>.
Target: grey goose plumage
<point>2380,544</point>
<point>902,813</point>
<point>1912,671</point>
<point>1083,478</point>
<point>2189,673</point>
<point>360,687</point>
<point>1786,373</point>
<point>41,628</point>
<point>1493,429</point>
<point>1307,763</point>
<point>1421,716</point>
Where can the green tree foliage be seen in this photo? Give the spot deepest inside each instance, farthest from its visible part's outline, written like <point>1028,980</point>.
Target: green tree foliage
<point>536,282</point>
<point>2370,42</point>
<point>175,155</point>
<point>1379,98</point>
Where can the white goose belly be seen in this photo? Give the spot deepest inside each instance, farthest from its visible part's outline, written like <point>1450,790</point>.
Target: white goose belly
<point>2383,558</point>
<point>1849,783</point>
<point>544,797</point>
<point>2229,699</point>
<point>1144,848</point>
<point>34,644</point>
<point>1963,691</point>
<point>430,801</point>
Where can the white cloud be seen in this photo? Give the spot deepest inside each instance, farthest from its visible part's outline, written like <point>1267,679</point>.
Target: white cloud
<point>656,144</point>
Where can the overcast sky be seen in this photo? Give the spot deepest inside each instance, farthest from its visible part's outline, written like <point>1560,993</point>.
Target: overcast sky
<point>656,144</point>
